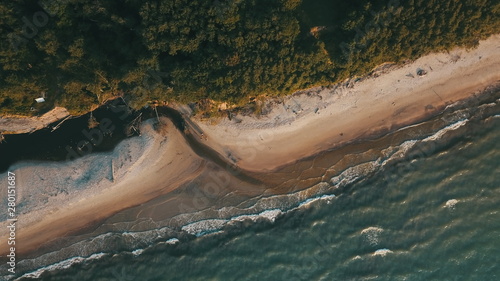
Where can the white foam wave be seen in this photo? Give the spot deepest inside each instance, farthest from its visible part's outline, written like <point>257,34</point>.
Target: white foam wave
<point>61,265</point>
<point>209,226</point>
<point>451,203</point>
<point>310,201</point>
<point>439,134</point>
<point>382,252</point>
<point>137,252</point>
<point>270,215</point>
<point>172,241</point>
<point>398,152</point>
<point>205,226</point>
<point>372,234</point>
<point>353,174</point>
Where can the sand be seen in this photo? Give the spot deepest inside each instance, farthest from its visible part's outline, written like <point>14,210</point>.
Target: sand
<point>318,119</point>
<point>88,190</point>
<point>12,124</point>
<point>144,168</point>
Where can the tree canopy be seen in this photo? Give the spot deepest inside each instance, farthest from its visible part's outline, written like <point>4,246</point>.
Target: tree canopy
<point>81,52</point>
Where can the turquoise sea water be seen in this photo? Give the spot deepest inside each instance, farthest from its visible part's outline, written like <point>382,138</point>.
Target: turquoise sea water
<point>434,216</point>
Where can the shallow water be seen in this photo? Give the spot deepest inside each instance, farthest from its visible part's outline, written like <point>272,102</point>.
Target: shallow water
<point>426,209</point>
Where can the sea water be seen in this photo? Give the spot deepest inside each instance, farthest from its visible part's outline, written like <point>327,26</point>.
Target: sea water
<point>433,217</point>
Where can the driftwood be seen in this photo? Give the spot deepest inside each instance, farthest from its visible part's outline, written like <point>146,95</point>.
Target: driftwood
<point>60,123</point>
<point>134,125</point>
<point>157,117</point>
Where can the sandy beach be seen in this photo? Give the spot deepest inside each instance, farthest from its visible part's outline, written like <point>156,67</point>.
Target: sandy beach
<point>144,168</point>
<point>318,119</point>
<point>297,126</point>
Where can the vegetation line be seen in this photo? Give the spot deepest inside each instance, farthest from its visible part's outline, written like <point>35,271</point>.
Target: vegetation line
<point>81,53</point>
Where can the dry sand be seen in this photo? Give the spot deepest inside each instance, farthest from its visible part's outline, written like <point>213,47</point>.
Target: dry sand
<point>12,124</point>
<point>320,118</point>
<point>300,125</point>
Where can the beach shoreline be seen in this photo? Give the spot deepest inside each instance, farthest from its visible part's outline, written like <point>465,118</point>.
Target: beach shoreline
<point>321,118</point>
<point>298,127</point>
<point>98,190</point>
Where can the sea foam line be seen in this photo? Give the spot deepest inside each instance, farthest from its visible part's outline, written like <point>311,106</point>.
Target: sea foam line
<point>61,265</point>
<point>212,226</point>
<point>209,226</point>
<point>382,252</point>
<point>439,134</point>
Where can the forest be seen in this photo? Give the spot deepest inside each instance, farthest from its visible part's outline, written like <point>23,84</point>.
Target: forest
<point>80,53</point>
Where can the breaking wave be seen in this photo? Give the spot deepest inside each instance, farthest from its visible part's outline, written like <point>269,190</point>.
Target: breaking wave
<point>382,252</point>
<point>61,265</point>
<point>372,235</point>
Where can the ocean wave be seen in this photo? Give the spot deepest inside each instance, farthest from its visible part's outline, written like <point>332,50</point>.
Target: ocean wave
<point>396,153</point>
<point>137,252</point>
<point>94,247</point>
<point>354,173</point>
<point>310,201</point>
<point>146,236</point>
<point>270,215</point>
<point>172,241</point>
<point>358,257</point>
<point>200,228</point>
<point>209,226</point>
<point>372,234</point>
<point>382,252</point>
<point>61,265</point>
<point>450,204</point>
<point>439,134</point>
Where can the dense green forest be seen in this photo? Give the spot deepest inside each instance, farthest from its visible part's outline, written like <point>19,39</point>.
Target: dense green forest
<point>82,52</point>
